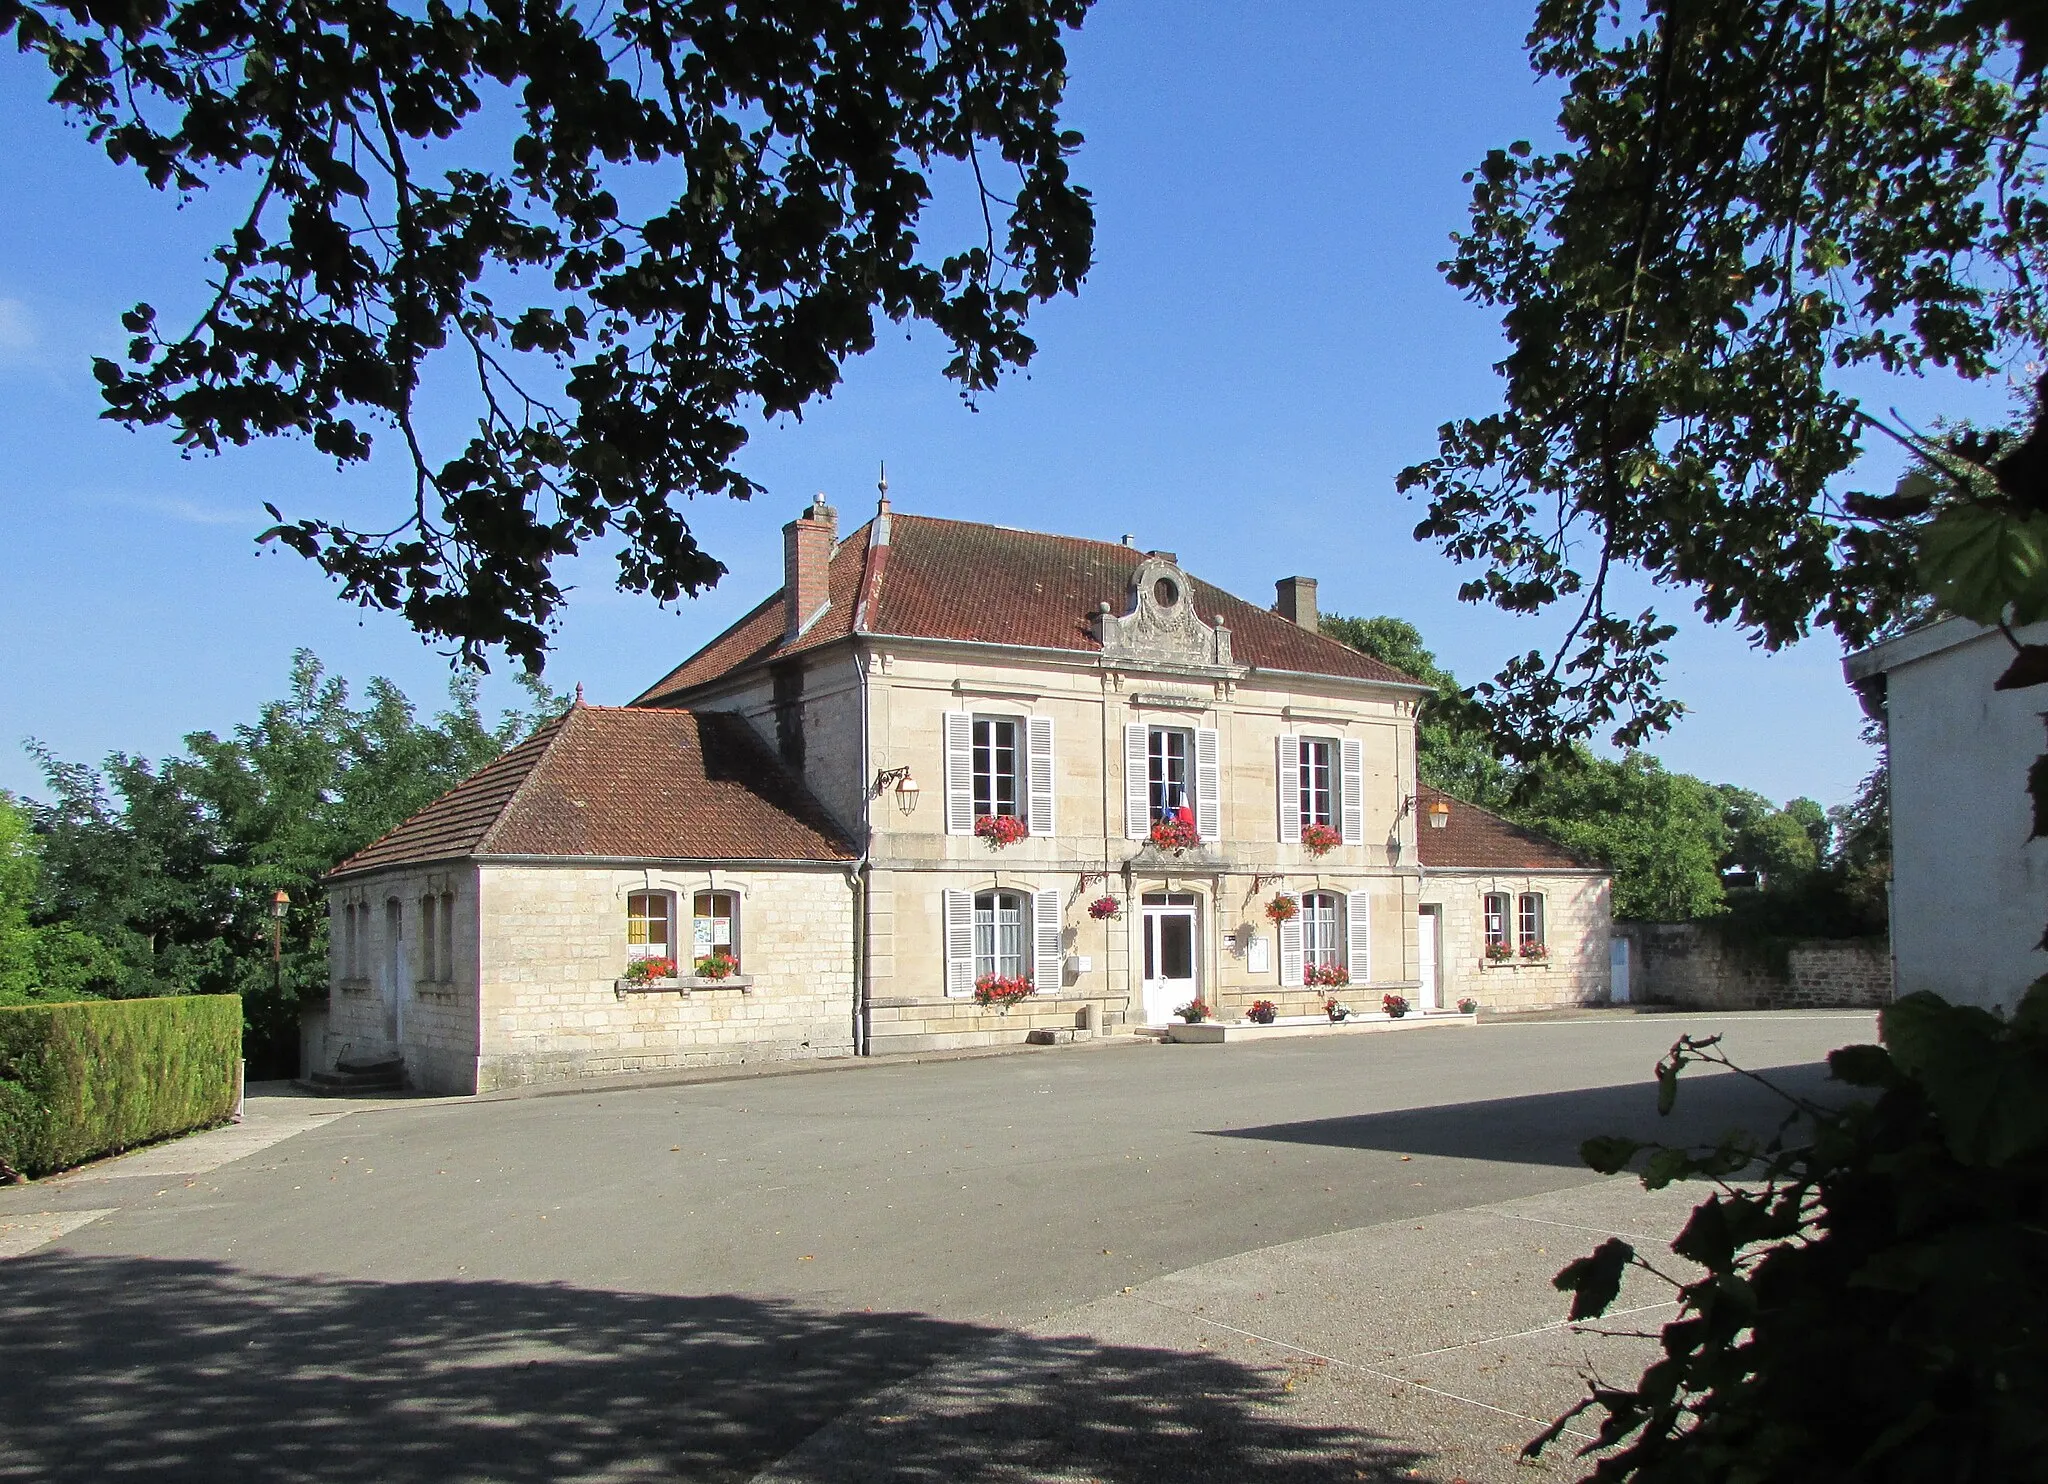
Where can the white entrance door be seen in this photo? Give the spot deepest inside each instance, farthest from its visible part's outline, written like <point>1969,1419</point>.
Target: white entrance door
<point>1427,940</point>
<point>1169,979</point>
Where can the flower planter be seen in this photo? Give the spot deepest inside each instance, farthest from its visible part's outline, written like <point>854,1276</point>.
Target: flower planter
<point>682,984</point>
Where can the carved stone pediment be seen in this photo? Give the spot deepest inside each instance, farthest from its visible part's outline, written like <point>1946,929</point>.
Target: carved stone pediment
<point>1159,628</point>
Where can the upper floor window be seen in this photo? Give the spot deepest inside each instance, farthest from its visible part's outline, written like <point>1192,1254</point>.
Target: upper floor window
<point>650,923</point>
<point>714,925</point>
<point>1318,781</point>
<point>1169,767</point>
<point>996,778</point>
<point>1322,783</point>
<point>1322,930</point>
<point>1529,919</point>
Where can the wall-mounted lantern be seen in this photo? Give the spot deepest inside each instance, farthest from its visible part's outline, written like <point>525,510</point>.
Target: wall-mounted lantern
<point>906,787</point>
<point>1439,814</point>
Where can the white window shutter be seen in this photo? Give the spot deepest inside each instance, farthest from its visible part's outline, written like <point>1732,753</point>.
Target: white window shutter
<point>1291,952</point>
<point>1290,790</point>
<point>1137,781</point>
<point>1048,927</point>
<point>1038,776</point>
<point>959,942</point>
<point>1208,784</point>
<point>1351,804</point>
<point>959,773</point>
<point>1358,936</point>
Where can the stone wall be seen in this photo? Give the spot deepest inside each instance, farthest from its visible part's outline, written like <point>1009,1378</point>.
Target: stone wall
<point>1686,964</point>
<point>555,946</point>
<point>384,1003</point>
<point>1576,930</point>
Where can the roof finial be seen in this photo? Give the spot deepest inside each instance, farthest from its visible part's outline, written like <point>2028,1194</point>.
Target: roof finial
<point>579,693</point>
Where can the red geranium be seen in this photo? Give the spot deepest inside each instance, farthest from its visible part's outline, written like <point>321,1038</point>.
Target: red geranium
<point>1104,908</point>
<point>1262,1012</point>
<point>1001,829</point>
<point>1000,991</point>
<point>1329,976</point>
<point>1176,834</point>
<point>1320,839</point>
<point>643,969</point>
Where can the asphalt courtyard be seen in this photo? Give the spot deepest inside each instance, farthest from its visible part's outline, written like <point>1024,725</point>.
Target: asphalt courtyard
<point>1313,1259</point>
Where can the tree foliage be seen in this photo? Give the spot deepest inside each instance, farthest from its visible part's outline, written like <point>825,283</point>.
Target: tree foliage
<point>1753,203</point>
<point>1453,749</point>
<point>632,228</point>
<point>1873,1301</point>
<point>173,864</point>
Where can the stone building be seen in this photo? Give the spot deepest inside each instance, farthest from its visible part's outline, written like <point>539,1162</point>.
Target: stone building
<point>1969,880</point>
<point>1008,757</point>
<point>1508,919</point>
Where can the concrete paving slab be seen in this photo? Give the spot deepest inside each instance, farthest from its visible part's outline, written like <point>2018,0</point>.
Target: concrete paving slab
<point>32,1229</point>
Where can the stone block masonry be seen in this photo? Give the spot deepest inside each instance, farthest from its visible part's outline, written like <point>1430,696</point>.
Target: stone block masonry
<point>1688,965</point>
<point>555,943</point>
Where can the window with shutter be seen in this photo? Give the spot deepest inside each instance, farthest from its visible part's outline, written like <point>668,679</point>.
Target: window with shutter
<point>1351,791</point>
<point>1358,936</point>
<point>1208,784</point>
<point>1040,774</point>
<point>1137,775</point>
<point>1048,932</point>
<point>959,933</point>
<point>1290,790</point>
<point>959,738</point>
<point>1291,948</point>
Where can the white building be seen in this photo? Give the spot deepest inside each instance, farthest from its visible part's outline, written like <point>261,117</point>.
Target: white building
<point>1969,885</point>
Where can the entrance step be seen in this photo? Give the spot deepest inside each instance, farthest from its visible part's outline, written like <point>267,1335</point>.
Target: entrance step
<point>350,1077</point>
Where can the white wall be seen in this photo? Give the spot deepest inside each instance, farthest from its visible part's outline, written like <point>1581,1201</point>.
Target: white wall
<point>1970,892</point>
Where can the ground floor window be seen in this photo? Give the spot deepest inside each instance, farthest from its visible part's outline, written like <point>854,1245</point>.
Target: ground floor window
<point>714,925</point>
<point>1529,919</point>
<point>1497,907</point>
<point>650,917</point>
<point>1001,935</point>
<point>1322,930</point>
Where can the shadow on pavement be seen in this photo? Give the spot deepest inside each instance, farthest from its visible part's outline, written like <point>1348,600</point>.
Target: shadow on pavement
<point>1547,1128</point>
<point>193,1370</point>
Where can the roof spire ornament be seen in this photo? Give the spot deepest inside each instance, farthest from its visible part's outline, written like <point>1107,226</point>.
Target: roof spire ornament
<point>882,484</point>
<point>579,693</point>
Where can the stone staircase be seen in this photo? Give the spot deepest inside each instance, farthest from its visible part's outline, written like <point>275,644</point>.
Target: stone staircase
<point>353,1076</point>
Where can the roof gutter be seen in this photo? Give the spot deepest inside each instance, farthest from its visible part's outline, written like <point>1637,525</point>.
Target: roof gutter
<point>624,862</point>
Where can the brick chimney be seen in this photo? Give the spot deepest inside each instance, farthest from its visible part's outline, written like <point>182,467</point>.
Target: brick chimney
<point>1297,602</point>
<point>807,545</point>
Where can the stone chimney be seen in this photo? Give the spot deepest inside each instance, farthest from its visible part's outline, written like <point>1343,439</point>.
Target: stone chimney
<point>1297,602</point>
<point>807,545</point>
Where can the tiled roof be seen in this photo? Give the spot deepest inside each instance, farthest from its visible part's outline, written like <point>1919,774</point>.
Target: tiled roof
<point>1478,840</point>
<point>622,783</point>
<point>951,579</point>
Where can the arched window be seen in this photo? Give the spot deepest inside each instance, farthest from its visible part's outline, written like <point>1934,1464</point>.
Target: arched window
<point>715,925</point>
<point>1497,907</point>
<point>1322,930</point>
<point>650,925</point>
<point>1002,935</point>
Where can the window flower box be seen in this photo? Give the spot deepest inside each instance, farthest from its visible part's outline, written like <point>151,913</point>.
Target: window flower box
<point>1499,953</point>
<point>1320,839</point>
<point>1001,991</point>
<point>1001,830</point>
<point>1536,953</point>
<point>1176,835</point>
<point>1327,976</point>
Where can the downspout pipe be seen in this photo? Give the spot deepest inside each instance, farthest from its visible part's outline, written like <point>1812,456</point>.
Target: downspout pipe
<point>862,1042</point>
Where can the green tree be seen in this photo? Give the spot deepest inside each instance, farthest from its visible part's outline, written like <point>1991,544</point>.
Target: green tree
<point>174,864</point>
<point>1454,751</point>
<point>1767,841</point>
<point>1751,206</point>
<point>1662,834</point>
<point>51,962</point>
<point>629,229</point>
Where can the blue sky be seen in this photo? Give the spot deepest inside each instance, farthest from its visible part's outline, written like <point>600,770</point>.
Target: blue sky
<point>1263,344</point>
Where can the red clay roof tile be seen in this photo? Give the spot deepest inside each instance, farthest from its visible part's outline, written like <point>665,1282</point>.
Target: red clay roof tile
<point>1476,839</point>
<point>951,579</point>
<point>622,783</point>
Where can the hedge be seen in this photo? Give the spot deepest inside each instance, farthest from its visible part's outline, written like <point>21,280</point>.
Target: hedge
<point>81,1080</point>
